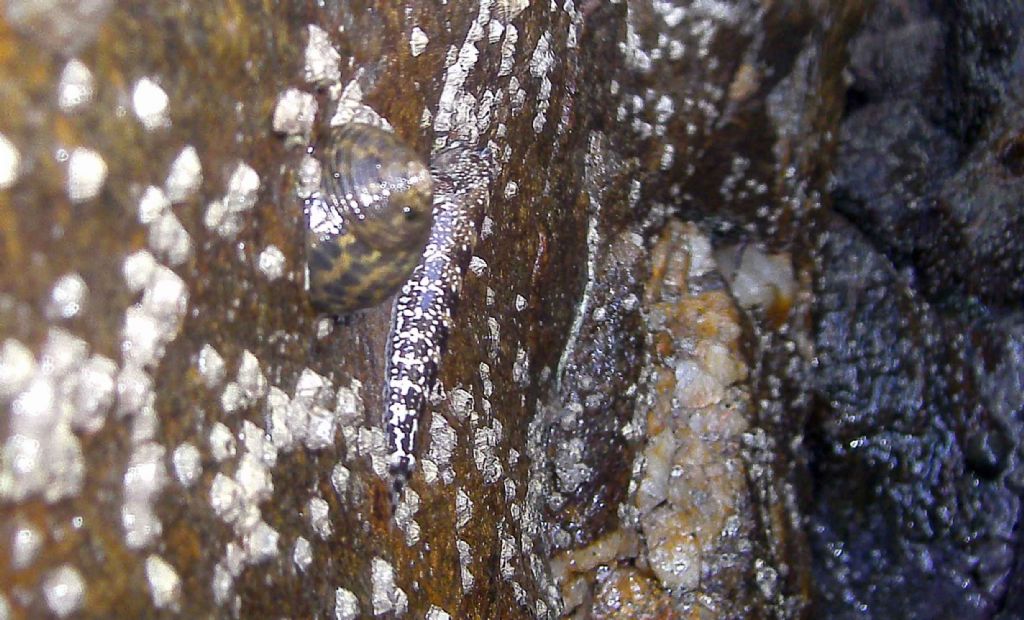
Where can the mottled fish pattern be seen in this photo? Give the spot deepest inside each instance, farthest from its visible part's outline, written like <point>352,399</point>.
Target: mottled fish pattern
<point>422,314</point>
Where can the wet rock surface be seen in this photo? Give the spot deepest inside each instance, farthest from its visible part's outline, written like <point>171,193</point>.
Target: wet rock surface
<point>741,337</point>
<point>918,324</point>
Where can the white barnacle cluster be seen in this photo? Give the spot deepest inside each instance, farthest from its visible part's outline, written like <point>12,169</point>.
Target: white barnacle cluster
<point>249,386</point>
<point>314,413</point>
<point>387,597</point>
<point>310,417</point>
<point>541,63</point>
<point>404,513</point>
<point>149,326</point>
<point>437,464</point>
<point>235,500</point>
<point>66,391</point>
<point>167,237</point>
<point>464,115</point>
<point>53,397</point>
<point>224,215</point>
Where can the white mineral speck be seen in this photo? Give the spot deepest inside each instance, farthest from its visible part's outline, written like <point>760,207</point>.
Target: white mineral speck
<point>170,239</point>
<point>188,464</point>
<point>211,366</point>
<point>695,387</point>
<point>261,542</point>
<point>371,441</point>
<point>386,596</point>
<point>477,265</point>
<point>760,278</point>
<point>216,218</point>
<point>64,590</point>
<point>164,583</point>
<point>222,442</point>
<point>511,189</point>
<point>322,60</point>
<point>294,112</point>
<point>487,229</point>
<point>408,505</point>
<point>242,188</point>
<point>17,365</point>
<point>417,41</point>
<point>150,104</point>
<point>442,443</point>
<point>10,162</point>
<point>137,269</point>
<point>465,559</point>
<point>75,88</point>
<point>141,338</point>
<point>234,558</point>
<point>494,31</point>
<point>254,478</point>
<point>67,297</point>
<point>92,394</point>
<point>349,404</point>
<point>153,204</point>
<point>225,498</point>
<point>144,479</point>
<point>62,352</point>
<point>250,378</point>
<point>339,478</point>
<point>41,454</point>
<point>674,554</point>
<point>308,176</point>
<point>232,398</point>
<point>323,424</point>
<point>511,8</point>
<point>302,555</point>
<point>319,517</point>
<point>185,175</point>
<point>25,545</point>
<point>166,298</point>
<point>324,327</point>
<point>87,172</point>
<point>278,405</point>
<point>346,605</point>
<point>462,403</point>
<point>134,389</point>
<point>271,262</point>
<point>222,584</point>
<point>463,509</point>
<point>258,443</point>
<point>436,613</point>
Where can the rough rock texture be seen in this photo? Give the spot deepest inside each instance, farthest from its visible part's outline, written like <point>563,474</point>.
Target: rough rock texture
<point>741,337</point>
<point>916,433</point>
